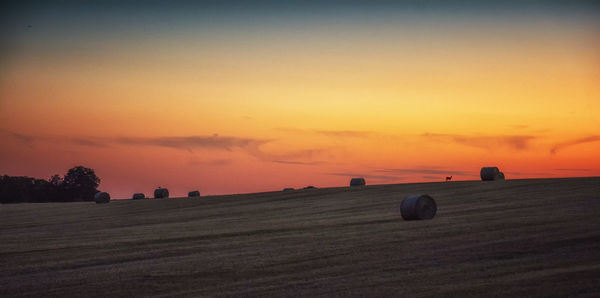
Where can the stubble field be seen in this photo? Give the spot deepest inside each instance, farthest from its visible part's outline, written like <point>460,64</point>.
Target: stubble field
<point>537,237</point>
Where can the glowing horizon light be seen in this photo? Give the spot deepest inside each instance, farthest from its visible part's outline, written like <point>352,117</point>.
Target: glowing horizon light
<point>227,99</point>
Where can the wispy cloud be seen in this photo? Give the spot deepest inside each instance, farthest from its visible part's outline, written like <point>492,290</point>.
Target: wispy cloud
<point>88,142</point>
<point>424,171</point>
<point>192,142</point>
<point>23,139</point>
<point>304,155</point>
<point>30,140</point>
<point>574,170</point>
<point>308,163</point>
<point>527,174</point>
<point>569,143</point>
<point>251,146</point>
<point>216,162</point>
<point>345,133</point>
<point>516,142</point>
<point>368,176</point>
<point>185,143</point>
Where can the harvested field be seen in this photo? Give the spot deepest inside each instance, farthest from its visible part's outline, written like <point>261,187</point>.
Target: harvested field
<point>538,237</point>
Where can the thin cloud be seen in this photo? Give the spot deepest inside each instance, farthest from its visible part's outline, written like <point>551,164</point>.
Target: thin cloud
<point>24,139</point>
<point>191,142</point>
<point>516,142</point>
<point>88,142</point>
<point>249,145</point>
<point>369,176</point>
<point>185,143</point>
<point>30,140</point>
<point>569,143</point>
<point>424,171</point>
<point>574,170</point>
<point>528,174</point>
<point>216,162</point>
<point>288,162</point>
<point>305,154</point>
<point>345,133</point>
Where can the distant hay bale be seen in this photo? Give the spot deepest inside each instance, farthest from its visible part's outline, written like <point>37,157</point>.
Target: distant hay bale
<point>288,189</point>
<point>138,196</point>
<point>490,174</point>
<point>161,193</point>
<point>357,182</point>
<point>102,197</point>
<point>310,187</point>
<point>194,193</point>
<point>417,207</point>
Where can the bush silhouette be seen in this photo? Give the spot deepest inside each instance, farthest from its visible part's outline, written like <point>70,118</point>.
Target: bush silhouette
<point>79,184</point>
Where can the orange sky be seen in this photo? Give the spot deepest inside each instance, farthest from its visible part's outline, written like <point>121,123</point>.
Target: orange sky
<point>258,106</point>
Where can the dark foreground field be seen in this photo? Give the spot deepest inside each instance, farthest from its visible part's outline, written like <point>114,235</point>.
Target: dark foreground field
<point>516,237</point>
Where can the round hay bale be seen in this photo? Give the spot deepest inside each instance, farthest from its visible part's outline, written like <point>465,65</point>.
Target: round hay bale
<point>418,207</point>
<point>194,193</point>
<point>138,196</point>
<point>501,176</point>
<point>490,174</point>
<point>161,193</point>
<point>102,197</point>
<point>357,182</point>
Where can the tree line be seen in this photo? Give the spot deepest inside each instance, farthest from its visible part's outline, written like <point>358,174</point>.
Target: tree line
<point>79,184</point>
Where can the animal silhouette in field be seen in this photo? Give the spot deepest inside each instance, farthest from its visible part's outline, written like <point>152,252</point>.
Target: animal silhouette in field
<point>448,178</point>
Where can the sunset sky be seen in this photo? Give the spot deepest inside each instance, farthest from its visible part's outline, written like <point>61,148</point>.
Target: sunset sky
<point>239,97</point>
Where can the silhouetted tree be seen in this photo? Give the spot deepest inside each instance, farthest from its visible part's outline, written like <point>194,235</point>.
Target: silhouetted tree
<point>56,180</point>
<point>56,193</point>
<point>80,184</point>
<point>14,189</point>
<point>26,190</point>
